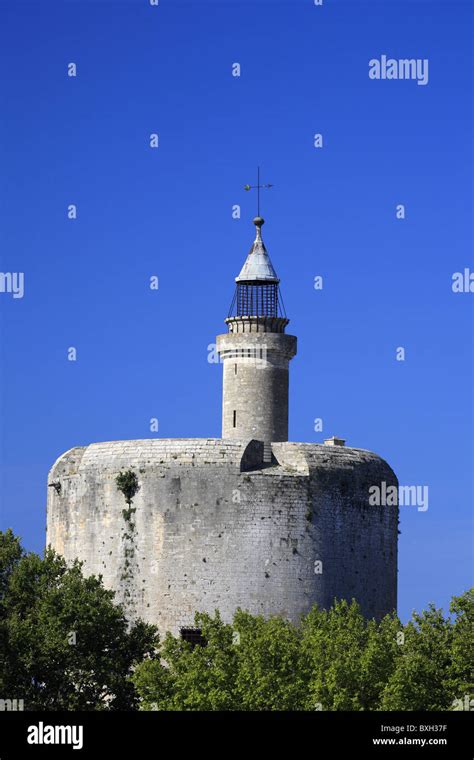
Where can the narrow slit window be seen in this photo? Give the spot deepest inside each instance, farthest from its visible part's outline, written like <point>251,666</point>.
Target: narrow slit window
<point>235,369</point>
<point>235,418</point>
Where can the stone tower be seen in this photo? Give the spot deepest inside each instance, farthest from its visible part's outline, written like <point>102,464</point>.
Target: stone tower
<point>248,520</point>
<point>256,353</point>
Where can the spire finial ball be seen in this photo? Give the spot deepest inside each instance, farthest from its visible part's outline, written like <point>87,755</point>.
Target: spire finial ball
<point>258,221</point>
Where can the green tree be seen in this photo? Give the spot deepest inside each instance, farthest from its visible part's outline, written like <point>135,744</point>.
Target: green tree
<point>65,644</point>
<point>420,680</point>
<point>192,678</point>
<point>252,665</point>
<point>379,659</point>
<point>10,554</point>
<point>334,660</point>
<point>349,658</point>
<point>461,670</point>
<point>271,671</point>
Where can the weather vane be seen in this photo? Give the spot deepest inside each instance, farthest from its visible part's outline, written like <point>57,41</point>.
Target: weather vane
<point>258,187</point>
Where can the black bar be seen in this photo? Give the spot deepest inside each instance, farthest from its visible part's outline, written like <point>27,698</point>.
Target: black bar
<point>129,734</point>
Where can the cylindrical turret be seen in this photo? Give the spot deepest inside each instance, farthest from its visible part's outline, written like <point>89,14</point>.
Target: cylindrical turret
<point>256,353</point>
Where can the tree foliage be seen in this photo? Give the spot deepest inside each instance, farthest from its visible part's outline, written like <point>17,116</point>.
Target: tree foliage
<point>334,660</point>
<point>64,644</point>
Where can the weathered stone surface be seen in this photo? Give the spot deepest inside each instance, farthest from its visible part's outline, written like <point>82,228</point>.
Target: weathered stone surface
<point>215,527</point>
<point>255,387</point>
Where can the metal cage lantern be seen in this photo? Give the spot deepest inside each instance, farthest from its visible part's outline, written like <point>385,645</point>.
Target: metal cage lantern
<point>257,300</point>
<point>257,293</point>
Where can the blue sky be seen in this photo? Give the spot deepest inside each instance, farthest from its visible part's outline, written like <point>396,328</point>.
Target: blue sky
<point>168,212</point>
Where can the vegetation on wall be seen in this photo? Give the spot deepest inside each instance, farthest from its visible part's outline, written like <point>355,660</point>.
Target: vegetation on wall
<point>127,483</point>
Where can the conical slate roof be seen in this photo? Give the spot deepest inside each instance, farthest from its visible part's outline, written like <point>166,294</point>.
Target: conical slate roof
<point>258,267</point>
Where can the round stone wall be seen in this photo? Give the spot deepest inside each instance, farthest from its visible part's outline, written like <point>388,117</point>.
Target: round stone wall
<point>214,527</point>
